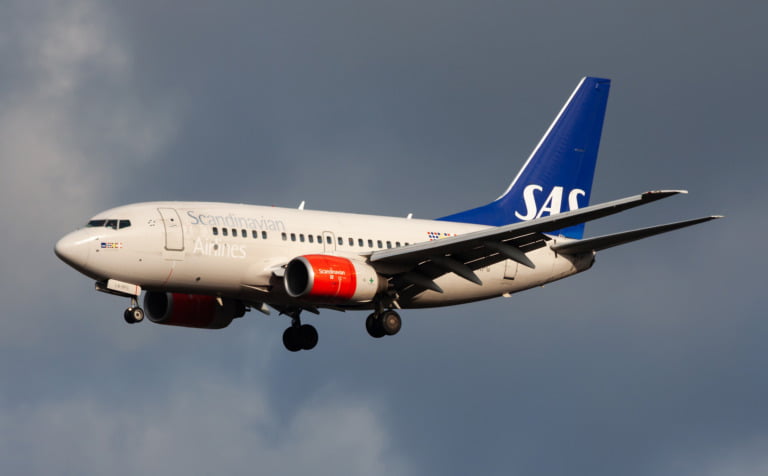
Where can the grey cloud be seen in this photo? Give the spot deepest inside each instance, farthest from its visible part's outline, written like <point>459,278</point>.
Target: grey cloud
<point>196,431</point>
<point>63,144</point>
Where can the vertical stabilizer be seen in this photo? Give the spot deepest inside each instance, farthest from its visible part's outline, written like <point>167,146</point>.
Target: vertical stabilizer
<point>557,177</point>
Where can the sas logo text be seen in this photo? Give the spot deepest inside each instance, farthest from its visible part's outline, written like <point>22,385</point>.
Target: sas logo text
<point>552,204</point>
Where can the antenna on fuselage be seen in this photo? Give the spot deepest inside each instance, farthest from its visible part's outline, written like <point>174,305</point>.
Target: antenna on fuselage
<point>301,205</point>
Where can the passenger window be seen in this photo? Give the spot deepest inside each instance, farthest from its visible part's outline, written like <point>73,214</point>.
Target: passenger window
<point>370,243</point>
<point>397,244</point>
<point>328,240</point>
<point>244,233</point>
<point>293,236</point>
<point>264,235</point>
<point>124,224</point>
<point>389,244</point>
<point>378,242</point>
<point>319,239</point>
<point>234,233</point>
<point>360,242</point>
<point>301,237</point>
<point>224,231</point>
<point>254,234</point>
<point>215,231</point>
<point>351,242</point>
<point>340,241</point>
<point>96,223</point>
<point>311,238</point>
<point>112,224</point>
<point>285,236</point>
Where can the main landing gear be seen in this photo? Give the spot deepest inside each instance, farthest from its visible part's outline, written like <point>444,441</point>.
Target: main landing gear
<point>134,313</point>
<point>300,337</point>
<point>386,323</point>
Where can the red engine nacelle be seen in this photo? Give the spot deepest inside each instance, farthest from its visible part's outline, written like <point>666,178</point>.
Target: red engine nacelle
<point>191,310</point>
<point>332,279</point>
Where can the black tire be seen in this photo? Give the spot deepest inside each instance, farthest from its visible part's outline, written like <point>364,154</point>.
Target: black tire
<point>373,326</point>
<point>132,315</point>
<point>390,322</point>
<point>292,339</point>
<point>128,316</point>
<point>309,337</point>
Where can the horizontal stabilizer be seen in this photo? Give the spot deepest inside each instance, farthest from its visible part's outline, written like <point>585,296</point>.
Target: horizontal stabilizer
<point>609,241</point>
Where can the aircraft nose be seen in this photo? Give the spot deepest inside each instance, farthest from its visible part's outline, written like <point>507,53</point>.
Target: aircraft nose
<point>72,251</point>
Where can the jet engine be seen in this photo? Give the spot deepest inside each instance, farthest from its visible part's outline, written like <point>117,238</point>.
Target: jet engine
<point>332,279</point>
<point>191,310</point>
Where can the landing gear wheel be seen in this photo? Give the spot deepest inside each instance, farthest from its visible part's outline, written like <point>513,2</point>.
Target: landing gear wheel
<point>292,339</point>
<point>132,315</point>
<point>373,326</point>
<point>308,336</point>
<point>390,322</point>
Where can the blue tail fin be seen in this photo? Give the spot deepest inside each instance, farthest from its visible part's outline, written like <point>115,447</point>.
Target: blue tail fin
<point>557,177</point>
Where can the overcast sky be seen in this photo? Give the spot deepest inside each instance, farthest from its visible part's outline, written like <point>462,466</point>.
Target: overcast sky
<point>652,363</point>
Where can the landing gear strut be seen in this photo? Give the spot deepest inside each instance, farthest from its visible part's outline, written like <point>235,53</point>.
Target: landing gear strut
<point>300,337</point>
<point>134,313</point>
<point>386,323</point>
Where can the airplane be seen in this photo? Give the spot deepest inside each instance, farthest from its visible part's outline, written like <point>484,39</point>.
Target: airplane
<point>202,264</point>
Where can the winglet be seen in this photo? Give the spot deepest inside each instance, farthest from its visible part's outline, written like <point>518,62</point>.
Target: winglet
<point>659,194</point>
<point>668,192</point>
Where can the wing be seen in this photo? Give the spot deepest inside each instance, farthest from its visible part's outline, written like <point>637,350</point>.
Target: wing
<point>415,267</point>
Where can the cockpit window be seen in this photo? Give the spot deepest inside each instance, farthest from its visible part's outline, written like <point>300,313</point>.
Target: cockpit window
<point>114,224</point>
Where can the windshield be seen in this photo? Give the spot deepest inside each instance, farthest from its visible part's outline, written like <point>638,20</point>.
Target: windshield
<point>110,223</point>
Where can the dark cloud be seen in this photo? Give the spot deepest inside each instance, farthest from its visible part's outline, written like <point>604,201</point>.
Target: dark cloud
<point>649,364</point>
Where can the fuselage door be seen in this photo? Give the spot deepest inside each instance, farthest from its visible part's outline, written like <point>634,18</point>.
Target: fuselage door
<point>329,245</point>
<point>174,232</point>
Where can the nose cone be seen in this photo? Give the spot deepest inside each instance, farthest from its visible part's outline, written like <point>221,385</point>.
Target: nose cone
<point>73,250</point>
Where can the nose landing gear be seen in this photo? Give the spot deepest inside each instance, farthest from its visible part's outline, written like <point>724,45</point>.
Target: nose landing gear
<point>134,313</point>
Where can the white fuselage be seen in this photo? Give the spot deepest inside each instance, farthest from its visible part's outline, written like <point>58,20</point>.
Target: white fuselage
<point>235,251</point>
